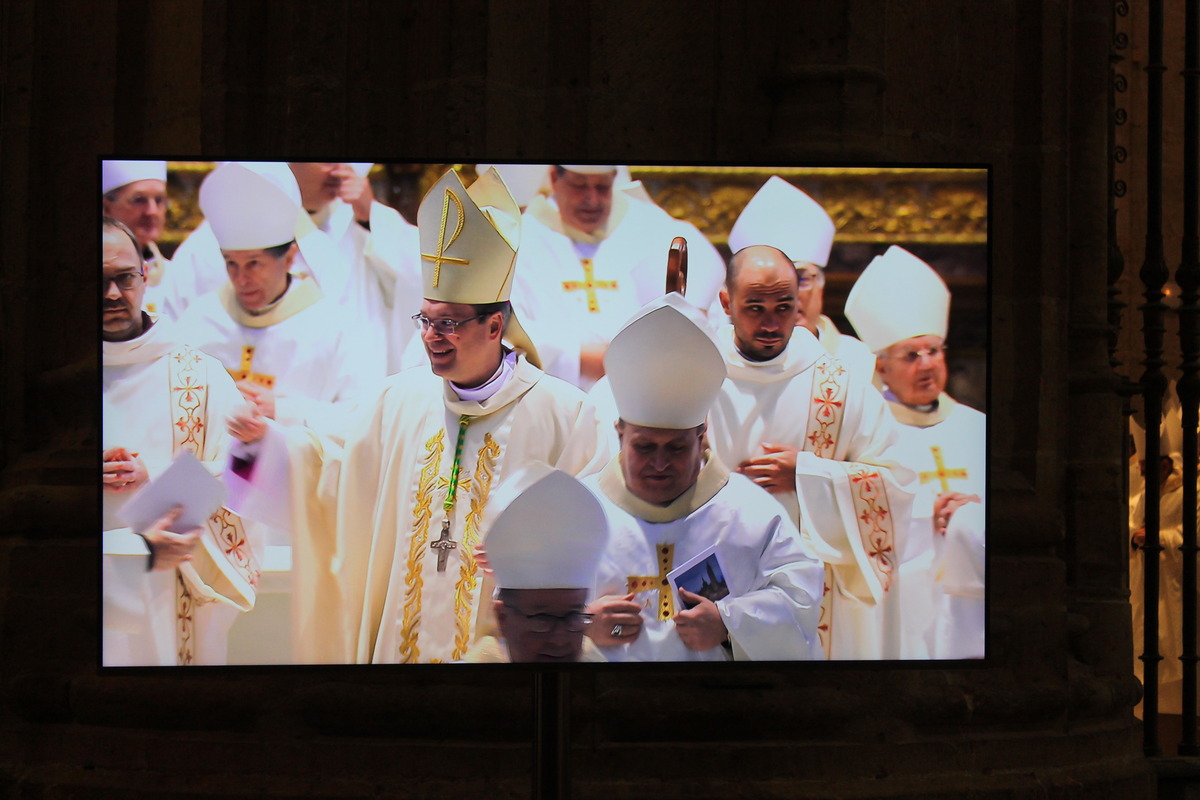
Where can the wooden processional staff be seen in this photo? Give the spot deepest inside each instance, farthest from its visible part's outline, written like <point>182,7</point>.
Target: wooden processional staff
<point>677,265</point>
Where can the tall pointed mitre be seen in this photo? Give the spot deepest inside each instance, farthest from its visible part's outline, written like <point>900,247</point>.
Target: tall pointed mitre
<point>248,206</point>
<point>469,240</point>
<point>525,181</point>
<point>784,217</point>
<point>664,367</point>
<point>115,174</point>
<point>550,532</point>
<point>898,296</point>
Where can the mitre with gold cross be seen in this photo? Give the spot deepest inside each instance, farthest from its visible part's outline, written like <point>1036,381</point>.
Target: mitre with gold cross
<point>469,239</point>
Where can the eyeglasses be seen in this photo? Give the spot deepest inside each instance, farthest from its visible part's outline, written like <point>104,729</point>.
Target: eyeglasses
<point>913,356</point>
<point>124,281</point>
<point>810,277</point>
<point>574,622</point>
<point>444,327</point>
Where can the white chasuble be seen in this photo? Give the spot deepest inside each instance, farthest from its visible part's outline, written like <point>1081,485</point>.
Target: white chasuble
<point>947,449</point>
<point>303,349</point>
<point>160,398</point>
<point>852,496</point>
<point>573,290</point>
<point>774,580</point>
<point>376,507</point>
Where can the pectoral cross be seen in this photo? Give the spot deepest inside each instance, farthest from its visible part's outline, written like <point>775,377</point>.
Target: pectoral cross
<point>941,473</point>
<point>443,545</point>
<point>246,373</point>
<point>645,583</point>
<point>589,284</point>
<point>438,258</point>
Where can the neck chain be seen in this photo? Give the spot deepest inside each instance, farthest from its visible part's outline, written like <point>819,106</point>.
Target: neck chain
<point>444,543</point>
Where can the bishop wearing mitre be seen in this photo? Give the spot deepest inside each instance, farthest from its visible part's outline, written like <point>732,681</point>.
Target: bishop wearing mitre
<point>946,442</point>
<point>405,498</point>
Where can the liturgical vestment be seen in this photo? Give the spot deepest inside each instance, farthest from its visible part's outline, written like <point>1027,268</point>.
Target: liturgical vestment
<point>808,400</point>
<point>774,580</point>
<point>303,349</point>
<point>947,448</point>
<point>380,503</point>
<point>159,399</point>
<point>574,289</point>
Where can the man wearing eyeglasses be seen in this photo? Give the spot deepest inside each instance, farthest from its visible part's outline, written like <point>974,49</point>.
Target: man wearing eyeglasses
<point>134,193</point>
<point>161,398</point>
<point>814,432</point>
<point>399,509</point>
<point>900,306</point>
<point>543,548</point>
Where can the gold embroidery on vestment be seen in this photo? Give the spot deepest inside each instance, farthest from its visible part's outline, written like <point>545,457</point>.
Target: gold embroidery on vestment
<point>413,583</point>
<point>464,590</point>
<point>874,514</point>
<point>665,554</point>
<point>827,408</point>
<point>247,373</point>
<point>185,623</point>
<point>589,284</point>
<point>940,472</point>
<point>189,399</point>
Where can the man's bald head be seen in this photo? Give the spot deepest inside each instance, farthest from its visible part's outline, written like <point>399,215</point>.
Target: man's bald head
<point>760,296</point>
<point>757,255</point>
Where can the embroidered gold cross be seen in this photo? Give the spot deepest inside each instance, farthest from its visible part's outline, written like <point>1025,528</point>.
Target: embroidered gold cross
<point>246,373</point>
<point>590,284</point>
<point>438,258</point>
<point>646,583</point>
<point>941,473</point>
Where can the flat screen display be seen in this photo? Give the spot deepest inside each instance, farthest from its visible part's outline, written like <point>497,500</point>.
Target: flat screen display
<point>833,507</point>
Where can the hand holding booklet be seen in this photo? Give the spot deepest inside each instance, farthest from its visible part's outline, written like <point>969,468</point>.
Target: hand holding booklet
<point>223,570</point>
<point>185,483</point>
<point>702,574</point>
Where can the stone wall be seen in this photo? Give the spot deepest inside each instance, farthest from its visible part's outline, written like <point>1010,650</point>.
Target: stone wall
<point>1019,84</point>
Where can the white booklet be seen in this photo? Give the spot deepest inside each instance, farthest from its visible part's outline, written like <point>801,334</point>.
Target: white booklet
<point>185,483</point>
<point>702,574</point>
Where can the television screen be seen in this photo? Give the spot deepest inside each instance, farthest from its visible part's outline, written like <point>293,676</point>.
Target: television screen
<point>325,383</point>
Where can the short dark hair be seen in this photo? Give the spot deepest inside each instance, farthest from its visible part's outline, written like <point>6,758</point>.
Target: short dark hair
<point>279,250</point>
<point>503,308</point>
<point>107,223</point>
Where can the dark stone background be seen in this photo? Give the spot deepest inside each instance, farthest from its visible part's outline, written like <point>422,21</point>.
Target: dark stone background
<point>1021,85</point>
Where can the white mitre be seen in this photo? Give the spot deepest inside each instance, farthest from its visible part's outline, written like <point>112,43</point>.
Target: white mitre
<point>361,168</point>
<point>664,368</point>
<point>898,296</point>
<point>784,217</point>
<point>469,240</point>
<point>247,206</point>
<point>525,181</point>
<point>115,174</point>
<point>549,534</point>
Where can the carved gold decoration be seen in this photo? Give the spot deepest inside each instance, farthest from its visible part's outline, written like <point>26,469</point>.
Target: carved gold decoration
<point>901,205</point>
<point>867,204</point>
<point>413,582</point>
<point>464,590</point>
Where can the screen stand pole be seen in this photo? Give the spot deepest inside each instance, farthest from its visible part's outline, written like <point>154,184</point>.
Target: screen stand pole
<point>551,731</point>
